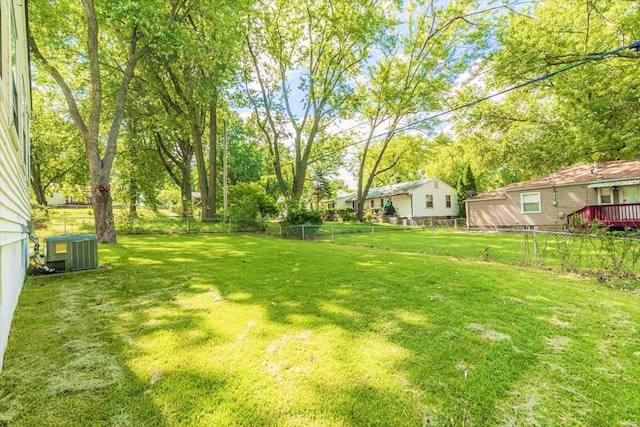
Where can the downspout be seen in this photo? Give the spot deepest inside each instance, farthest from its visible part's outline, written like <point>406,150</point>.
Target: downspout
<point>555,198</point>
<point>466,211</point>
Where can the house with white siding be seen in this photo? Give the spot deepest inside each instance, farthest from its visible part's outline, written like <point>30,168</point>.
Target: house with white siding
<point>425,198</point>
<point>338,202</point>
<point>15,112</point>
<point>607,192</point>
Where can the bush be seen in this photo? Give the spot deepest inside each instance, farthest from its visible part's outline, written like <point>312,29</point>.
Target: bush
<point>303,217</point>
<point>330,215</point>
<point>347,214</point>
<point>342,214</point>
<point>297,220</point>
<point>249,205</point>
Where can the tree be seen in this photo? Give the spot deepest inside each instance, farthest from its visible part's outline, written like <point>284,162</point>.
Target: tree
<point>320,187</point>
<point>138,170</point>
<point>413,76</point>
<point>57,160</point>
<point>589,113</point>
<point>117,33</point>
<point>402,161</point>
<point>245,154</point>
<point>248,201</point>
<point>465,188</point>
<point>191,82</point>
<point>318,46</point>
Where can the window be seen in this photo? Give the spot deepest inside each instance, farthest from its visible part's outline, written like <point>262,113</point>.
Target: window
<point>372,203</point>
<point>605,196</point>
<point>429,200</point>
<point>447,200</point>
<point>381,203</point>
<point>436,184</point>
<point>530,202</point>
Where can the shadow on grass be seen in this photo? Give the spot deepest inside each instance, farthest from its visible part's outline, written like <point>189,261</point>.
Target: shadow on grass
<point>379,296</point>
<point>250,330</point>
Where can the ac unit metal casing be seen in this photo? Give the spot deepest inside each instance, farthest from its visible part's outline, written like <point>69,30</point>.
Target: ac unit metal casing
<point>72,252</point>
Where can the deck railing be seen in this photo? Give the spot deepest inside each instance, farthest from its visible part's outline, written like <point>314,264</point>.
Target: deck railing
<point>620,215</point>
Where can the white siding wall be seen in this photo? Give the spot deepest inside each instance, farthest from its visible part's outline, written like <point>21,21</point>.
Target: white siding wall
<point>439,200</point>
<point>15,112</point>
<point>56,199</point>
<point>402,204</point>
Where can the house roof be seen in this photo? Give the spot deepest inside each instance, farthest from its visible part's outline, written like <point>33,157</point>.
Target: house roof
<point>586,174</point>
<point>391,190</point>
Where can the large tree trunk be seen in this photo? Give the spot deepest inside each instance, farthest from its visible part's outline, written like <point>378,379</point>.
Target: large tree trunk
<point>102,206</point>
<point>36,184</point>
<point>196,138</point>
<point>210,201</point>
<point>185,192</point>
<point>99,166</point>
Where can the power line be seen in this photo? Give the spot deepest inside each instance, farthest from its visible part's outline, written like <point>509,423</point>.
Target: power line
<point>487,70</point>
<point>632,46</point>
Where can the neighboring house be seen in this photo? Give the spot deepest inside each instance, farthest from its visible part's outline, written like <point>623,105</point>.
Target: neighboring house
<point>15,108</point>
<point>58,198</point>
<point>339,202</point>
<point>607,191</point>
<point>425,198</point>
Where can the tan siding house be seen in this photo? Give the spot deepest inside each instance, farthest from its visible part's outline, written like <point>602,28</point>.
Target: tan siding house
<point>15,111</point>
<point>547,202</point>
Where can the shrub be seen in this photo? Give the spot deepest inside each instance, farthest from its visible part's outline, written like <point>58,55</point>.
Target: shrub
<point>248,205</point>
<point>296,220</point>
<point>303,217</point>
<point>347,214</point>
<point>330,215</point>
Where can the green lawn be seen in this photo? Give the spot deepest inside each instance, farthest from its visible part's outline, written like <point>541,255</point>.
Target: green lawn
<point>560,251</point>
<point>232,329</point>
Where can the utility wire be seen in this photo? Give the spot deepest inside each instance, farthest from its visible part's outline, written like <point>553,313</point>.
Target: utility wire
<point>634,46</point>
<point>488,69</point>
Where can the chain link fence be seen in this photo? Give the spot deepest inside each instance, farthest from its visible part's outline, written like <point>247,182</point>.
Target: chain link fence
<point>60,225</point>
<point>607,255</point>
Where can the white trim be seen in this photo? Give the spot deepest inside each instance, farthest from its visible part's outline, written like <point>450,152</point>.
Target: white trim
<point>522,195</point>
<point>599,190</point>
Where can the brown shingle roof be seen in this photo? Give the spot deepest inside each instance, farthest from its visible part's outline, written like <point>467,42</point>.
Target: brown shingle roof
<point>594,172</point>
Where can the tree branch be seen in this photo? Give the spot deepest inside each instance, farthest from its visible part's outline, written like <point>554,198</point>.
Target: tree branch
<point>66,90</point>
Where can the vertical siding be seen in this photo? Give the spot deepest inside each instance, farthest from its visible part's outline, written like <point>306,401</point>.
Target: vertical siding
<point>506,212</point>
<point>14,164</point>
<point>439,200</point>
<point>402,204</point>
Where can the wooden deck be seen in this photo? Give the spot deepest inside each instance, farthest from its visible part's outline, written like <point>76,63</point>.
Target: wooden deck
<point>619,216</point>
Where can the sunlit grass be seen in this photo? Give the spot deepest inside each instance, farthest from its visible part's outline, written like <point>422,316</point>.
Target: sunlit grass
<point>250,330</point>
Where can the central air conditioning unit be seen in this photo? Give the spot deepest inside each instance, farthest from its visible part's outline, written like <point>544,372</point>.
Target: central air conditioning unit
<point>72,252</point>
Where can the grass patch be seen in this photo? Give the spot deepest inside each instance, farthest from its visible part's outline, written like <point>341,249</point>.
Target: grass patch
<point>249,330</point>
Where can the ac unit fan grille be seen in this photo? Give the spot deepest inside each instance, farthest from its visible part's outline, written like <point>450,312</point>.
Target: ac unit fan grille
<point>83,254</point>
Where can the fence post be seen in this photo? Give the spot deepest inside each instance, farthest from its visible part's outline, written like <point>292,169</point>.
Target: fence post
<point>188,225</point>
<point>280,229</point>
<point>433,239</point>
<point>535,249</point>
<point>332,233</point>
<point>65,222</point>
<point>455,223</point>
<point>302,231</point>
